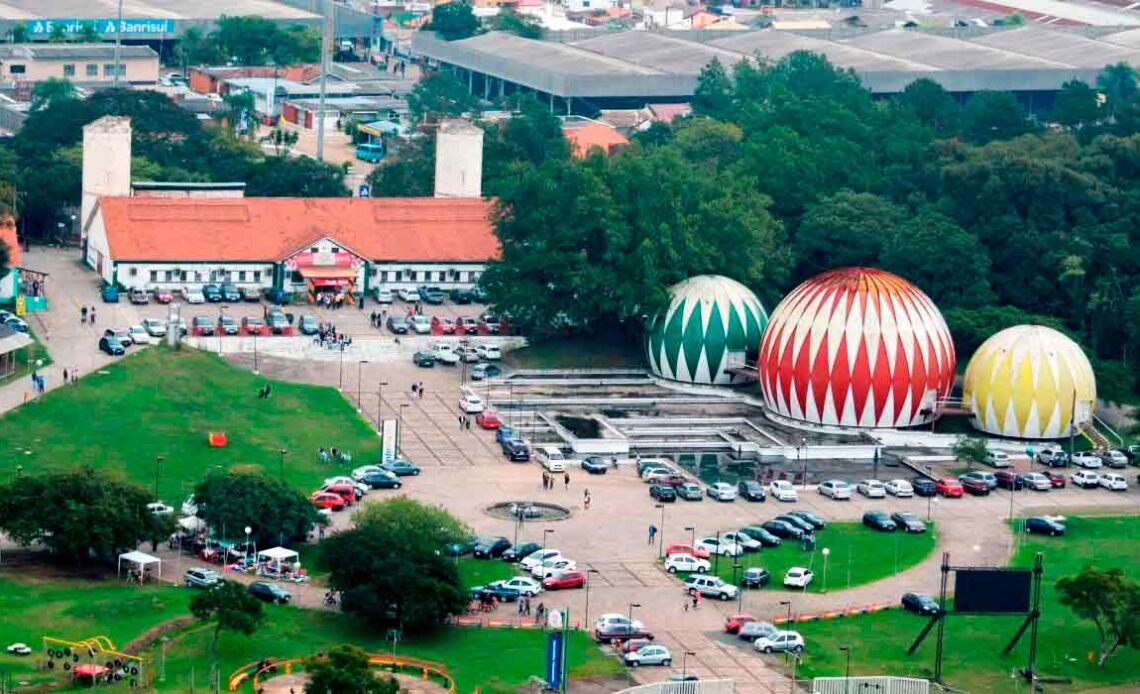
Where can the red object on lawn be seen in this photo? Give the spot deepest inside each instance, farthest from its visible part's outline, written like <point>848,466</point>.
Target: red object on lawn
<point>89,670</point>
<point>217,439</point>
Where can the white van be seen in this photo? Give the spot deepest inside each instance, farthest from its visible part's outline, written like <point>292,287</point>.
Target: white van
<point>552,459</point>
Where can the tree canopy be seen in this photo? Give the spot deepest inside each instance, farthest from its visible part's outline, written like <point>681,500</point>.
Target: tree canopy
<point>345,670</point>
<point>250,40</point>
<point>230,607</point>
<point>275,511</point>
<point>1110,601</point>
<point>453,20</point>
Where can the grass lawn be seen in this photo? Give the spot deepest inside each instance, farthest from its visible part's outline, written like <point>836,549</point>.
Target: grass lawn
<point>74,610</point>
<point>973,645</point>
<point>577,352</point>
<point>474,656</point>
<point>184,395</point>
<point>858,555</point>
<point>479,572</point>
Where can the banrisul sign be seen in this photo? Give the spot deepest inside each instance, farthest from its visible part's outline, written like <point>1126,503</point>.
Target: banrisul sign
<point>128,27</point>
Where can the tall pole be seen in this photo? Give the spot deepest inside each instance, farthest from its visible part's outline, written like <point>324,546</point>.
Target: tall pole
<point>157,473</point>
<point>379,402</point>
<point>1073,423</point>
<point>586,619</point>
<point>326,54</point>
<point>118,42</point>
<point>359,368</point>
<point>281,465</point>
<point>341,386</point>
<point>661,533</point>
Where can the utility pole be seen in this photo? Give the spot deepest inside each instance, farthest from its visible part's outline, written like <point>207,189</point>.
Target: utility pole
<point>118,41</point>
<point>326,56</point>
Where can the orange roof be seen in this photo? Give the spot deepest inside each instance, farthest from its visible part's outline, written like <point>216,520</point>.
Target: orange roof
<point>272,229</point>
<point>8,236</point>
<point>582,138</point>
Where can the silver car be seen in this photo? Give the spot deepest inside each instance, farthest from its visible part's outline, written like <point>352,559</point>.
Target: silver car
<point>750,631</point>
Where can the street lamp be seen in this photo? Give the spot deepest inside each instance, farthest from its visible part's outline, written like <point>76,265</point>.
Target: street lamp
<point>787,621</point>
<point>630,616</point>
<point>248,530</point>
<point>716,556</point>
<point>256,371</point>
<point>826,554</point>
<point>684,662</point>
<point>803,447</point>
<point>736,566</point>
<point>341,386</point>
<point>586,621</point>
<point>847,670</point>
<point>281,466</point>
<point>380,402</point>
<point>930,471</point>
<point>157,473</point>
<point>359,368</point>
<point>692,537</point>
<point>400,428</point>
<point>661,532</point>
<point>545,532</point>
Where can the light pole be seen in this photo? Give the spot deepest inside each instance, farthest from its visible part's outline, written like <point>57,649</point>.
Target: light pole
<point>400,428</point>
<point>380,402</point>
<point>787,621</point>
<point>930,471</point>
<point>826,554</point>
<point>256,372</point>
<point>545,532</point>
<point>736,566</point>
<point>803,447</point>
<point>1012,489</point>
<point>359,368</point>
<point>281,466</point>
<point>716,557</point>
<point>630,616</point>
<point>245,552</point>
<point>661,532</point>
<point>341,386</point>
<point>157,473</point>
<point>847,669</point>
<point>586,620</point>
<point>692,537</point>
<point>685,662</point>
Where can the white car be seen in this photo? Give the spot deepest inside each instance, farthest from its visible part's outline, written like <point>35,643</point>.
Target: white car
<point>656,474</point>
<point>538,556</point>
<point>872,489</point>
<point>361,489</point>
<point>710,587</point>
<point>138,335</point>
<point>649,655</point>
<point>779,642</point>
<point>408,295</point>
<point>155,327</point>
<point>836,489</point>
<point>719,546</point>
<point>611,619</point>
<point>721,491</point>
<point>1087,460</point>
<point>362,472</point>
<point>159,509</point>
<point>193,295</point>
<point>489,352</point>
<point>468,355</point>
<point>745,541</point>
<point>551,567</point>
<point>686,563</point>
<point>19,649</point>
<point>525,585</point>
<point>420,325</point>
<point>383,295</point>
<point>997,459</point>
<point>798,577</point>
<point>445,353</point>
<point>782,490</point>
<point>1037,481</point>
<point>1114,482</point>
<point>472,404</point>
<point>1085,478</point>
<point>899,488</point>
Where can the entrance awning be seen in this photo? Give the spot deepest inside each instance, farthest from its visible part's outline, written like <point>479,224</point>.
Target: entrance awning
<point>313,272</point>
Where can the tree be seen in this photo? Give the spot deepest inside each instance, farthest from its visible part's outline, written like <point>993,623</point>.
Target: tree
<point>1119,85</point>
<point>391,570</point>
<point>274,510</point>
<point>297,44</point>
<point>196,48</point>
<point>407,170</point>
<point>524,25</point>
<point>51,91</point>
<point>247,40</point>
<point>970,450</point>
<point>88,33</point>
<point>944,259</point>
<point>453,20</point>
<point>1076,105</point>
<point>58,33</point>
<point>230,607</point>
<point>1110,601</point>
<point>713,95</point>
<point>282,140</point>
<point>346,670</point>
<point>990,116</point>
<point>842,230</point>
<point>79,515</point>
<point>284,176</point>
<point>933,105</point>
<point>970,327</point>
<point>18,34</point>
<point>439,95</point>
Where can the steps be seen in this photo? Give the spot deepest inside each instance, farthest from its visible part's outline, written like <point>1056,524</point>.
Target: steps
<point>1095,437</point>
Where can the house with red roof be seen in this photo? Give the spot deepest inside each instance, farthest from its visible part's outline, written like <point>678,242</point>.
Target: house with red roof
<point>10,281</point>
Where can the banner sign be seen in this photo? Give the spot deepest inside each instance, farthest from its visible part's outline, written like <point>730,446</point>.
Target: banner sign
<point>130,27</point>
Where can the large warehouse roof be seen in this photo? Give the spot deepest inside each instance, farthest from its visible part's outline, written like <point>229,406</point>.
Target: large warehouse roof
<point>148,9</point>
<point>652,64</point>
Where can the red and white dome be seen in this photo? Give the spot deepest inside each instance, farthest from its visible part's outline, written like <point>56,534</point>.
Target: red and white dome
<point>856,347</point>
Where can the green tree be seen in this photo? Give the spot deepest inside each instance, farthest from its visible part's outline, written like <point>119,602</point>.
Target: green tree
<point>345,670</point>
<point>87,33</point>
<point>18,34</point>
<point>390,569</point>
<point>79,515</point>
<point>970,450</point>
<point>58,34</point>
<point>281,139</point>
<point>453,21</point>
<point>285,176</point>
<point>296,45</point>
<point>1110,601</point>
<point>990,116</point>
<point>247,40</point>
<point>196,48</point>
<point>1119,85</point>
<point>714,93</point>
<point>1076,105</point>
<point>524,25</point>
<point>933,105</point>
<point>439,95</point>
<point>407,170</point>
<point>230,607</point>
<point>970,327</point>
<point>276,511</point>
<point>52,90</point>
<point>844,230</point>
<point>942,258</point>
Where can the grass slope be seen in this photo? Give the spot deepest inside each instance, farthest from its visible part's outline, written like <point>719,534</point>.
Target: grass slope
<point>159,402</point>
<point>973,645</point>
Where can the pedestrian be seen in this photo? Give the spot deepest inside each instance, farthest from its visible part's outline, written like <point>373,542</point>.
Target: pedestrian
<point>526,601</point>
<point>74,375</point>
<point>696,599</point>
<point>460,421</point>
<point>414,387</point>
<point>421,390</point>
<point>586,499</point>
<point>652,534</point>
<point>566,480</point>
<point>83,314</point>
<point>65,375</point>
<point>467,423</point>
<point>91,314</point>
<point>522,607</point>
<point>545,479</point>
<point>372,318</point>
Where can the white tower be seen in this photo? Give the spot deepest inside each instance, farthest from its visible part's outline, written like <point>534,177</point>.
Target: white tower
<point>106,162</point>
<point>458,160</point>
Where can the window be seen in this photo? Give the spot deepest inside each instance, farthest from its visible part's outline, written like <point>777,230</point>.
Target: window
<point>384,276</point>
<point>241,276</point>
<point>154,275</point>
<point>109,69</point>
<point>296,278</point>
<point>183,276</point>
<point>335,249</point>
<point>18,69</point>
<point>399,276</point>
<point>411,275</point>
<point>169,275</point>
<point>257,276</point>
<point>442,276</point>
<point>197,276</point>
<point>69,70</point>
<point>313,250</point>
<point>134,272</point>
<point>92,69</point>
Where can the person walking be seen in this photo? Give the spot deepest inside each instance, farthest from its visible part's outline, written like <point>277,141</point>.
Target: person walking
<point>696,599</point>
<point>91,314</point>
<point>566,480</point>
<point>83,314</point>
<point>545,480</point>
<point>65,376</point>
<point>460,421</point>
<point>652,534</point>
<point>421,390</point>
<point>586,499</point>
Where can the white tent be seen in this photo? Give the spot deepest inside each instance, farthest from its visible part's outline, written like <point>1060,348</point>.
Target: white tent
<point>278,555</point>
<point>192,524</point>
<point>139,559</point>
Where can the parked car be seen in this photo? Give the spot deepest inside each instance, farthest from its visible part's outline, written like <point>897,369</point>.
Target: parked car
<point>565,580</point>
<point>424,360</point>
<point>610,619</point>
<point>879,520</point>
<point>989,478</point>
<point>500,592</point>
<point>756,630</point>
<point>520,551</point>
<point>269,592</point>
<point>595,465</point>
<point>615,633</point>
<point>750,490</point>
<point>525,585</point>
<point>328,501</point>
<point>1044,525</point>
<point>1087,460</point>
<point>467,325</point>
<point>470,403</point>
<point>755,577</point>
<point>212,292</point>
<point>798,577</point>
<point>1114,482</point>
<point>198,577</point>
<point>734,622</point>
<point>418,324</point>
<point>796,522</point>
<point>1058,481</point>
<point>119,335</point>
<point>490,547</point>
<point>649,655</point>
<point>686,563</point>
<point>1085,479</point>
<point>227,325</point>
<point>1115,459</point>
<point>163,296</point>
<point>899,488</point>
<point>710,587</point>
<point>397,325</point>
<point>813,520</point>
<point>277,321</point>
<point>230,292</point>
<point>997,459</point>
<point>517,451</point>
<point>383,295</point>
<point>382,479</point>
<point>251,294</point>
<point>685,548</point>
<point>553,567</point>
<point>138,335</point>
<point>1008,479</point>
<point>202,325</point>
<point>662,492</point>
<point>835,489</point>
<point>308,325</point>
<point>948,487</point>
<point>1053,457</point>
<point>924,486</point>
<point>783,529</point>
<point>782,490</point>
<point>720,546</point>
<point>537,557</point>
<point>138,296</point>
<point>779,642</point>
<point>193,295</point>
<point>155,327</point>
<point>974,484</point>
<point>689,491</point>
<point>761,535</point>
<point>721,491</point>
<point>920,603</point>
<point>744,540</point>
<point>482,371</point>
<point>908,521</point>
<point>400,467</point>
<point>252,325</point>
<point>445,353</point>
<point>460,296</point>
<point>488,419</point>
<point>872,489</point>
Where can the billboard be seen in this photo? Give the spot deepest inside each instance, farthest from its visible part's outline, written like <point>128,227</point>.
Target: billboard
<point>554,655</point>
<point>40,28</point>
<point>992,591</point>
<point>390,440</point>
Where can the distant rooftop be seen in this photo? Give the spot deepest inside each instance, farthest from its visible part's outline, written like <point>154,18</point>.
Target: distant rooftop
<point>71,51</point>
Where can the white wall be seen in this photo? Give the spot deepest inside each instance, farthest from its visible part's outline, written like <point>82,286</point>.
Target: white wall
<point>456,275</point>
<point>98,252</point>
<point>133,275</point>
<point>458,160</point>
<point>106,161</point>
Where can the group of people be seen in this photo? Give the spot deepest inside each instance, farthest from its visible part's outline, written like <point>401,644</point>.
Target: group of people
<point>37,383</point>
<point>332,455</point>
<point>418,390</point>
<point>550,479</point>
<point>330,300</point>
<point>86,313</point>
<point>379,319</point>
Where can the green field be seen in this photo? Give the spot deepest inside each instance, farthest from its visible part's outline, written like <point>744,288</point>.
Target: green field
<point>184,395</point>
<point>479,572</point>
<point>973,645</point>
<point>858,555</point>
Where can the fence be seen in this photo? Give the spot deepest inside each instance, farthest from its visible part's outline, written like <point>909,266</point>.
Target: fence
<point>725,686</point>
<point>879,685</point>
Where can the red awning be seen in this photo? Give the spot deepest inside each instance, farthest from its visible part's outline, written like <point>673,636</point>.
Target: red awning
<point>329,282</point>
<point>315,272</point>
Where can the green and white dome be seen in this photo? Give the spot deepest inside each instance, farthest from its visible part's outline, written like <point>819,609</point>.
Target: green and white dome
<point>710,324</point>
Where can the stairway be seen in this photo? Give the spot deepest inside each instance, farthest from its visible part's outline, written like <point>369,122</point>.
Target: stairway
<point>1095,437</point>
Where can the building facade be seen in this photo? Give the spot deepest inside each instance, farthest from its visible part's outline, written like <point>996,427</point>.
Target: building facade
<point>81,63</point>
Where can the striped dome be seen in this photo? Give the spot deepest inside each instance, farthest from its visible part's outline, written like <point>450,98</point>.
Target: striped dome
<point>856,347</point>
<point>1024,381</point>
<point>709,325</point>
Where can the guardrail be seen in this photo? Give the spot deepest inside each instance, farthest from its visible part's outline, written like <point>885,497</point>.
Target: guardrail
<point>722,686</point>
<point>427,670</point>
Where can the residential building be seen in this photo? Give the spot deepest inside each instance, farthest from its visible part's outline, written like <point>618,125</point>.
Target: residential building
<point>81,63</point>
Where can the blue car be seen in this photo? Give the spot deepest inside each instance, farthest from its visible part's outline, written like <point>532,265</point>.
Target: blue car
<point>505,433</point>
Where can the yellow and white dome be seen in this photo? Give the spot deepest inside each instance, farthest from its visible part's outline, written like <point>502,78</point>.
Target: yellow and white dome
<point>1031,382</point>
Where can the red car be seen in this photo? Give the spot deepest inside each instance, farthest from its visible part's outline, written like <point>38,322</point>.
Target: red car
<point>443,326</point>
<point>633,644</point>
<point>254,326</point>
<point>1056,480</point>
<point>333,502</point>
<point>685,548</point>
<point>949,487</point>
<point>163,296</point>
<point>488,419</point>
<point>569,579</point>
<point>344,491</point>
<point>735,621</point>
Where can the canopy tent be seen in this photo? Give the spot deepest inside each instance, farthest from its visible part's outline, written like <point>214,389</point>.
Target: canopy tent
<point>278,561</point>
<point>192,524</point>
<point>140,559</point>
<point>277,554</point>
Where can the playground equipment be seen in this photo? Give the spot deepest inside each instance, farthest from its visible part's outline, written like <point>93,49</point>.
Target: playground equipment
<point>427,669</point>
<point>95,659</point>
